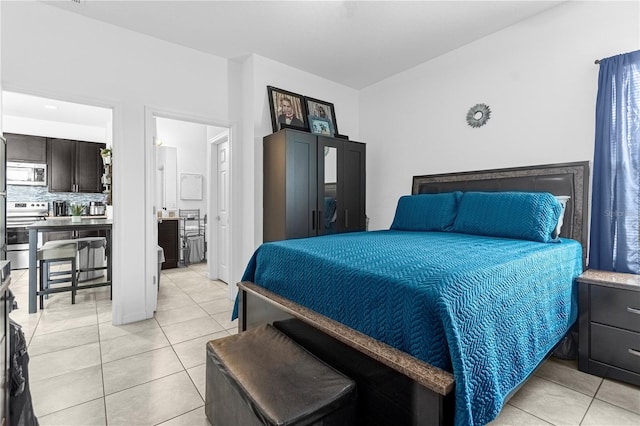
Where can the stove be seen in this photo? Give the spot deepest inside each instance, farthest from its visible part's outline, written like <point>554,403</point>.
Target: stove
<point>19,216</point>
<point>23,213</point>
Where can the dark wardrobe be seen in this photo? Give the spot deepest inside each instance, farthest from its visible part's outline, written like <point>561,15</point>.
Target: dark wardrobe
<point>313,185</point>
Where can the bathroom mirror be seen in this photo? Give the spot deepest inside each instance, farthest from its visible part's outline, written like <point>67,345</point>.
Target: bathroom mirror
<point>166,177</point>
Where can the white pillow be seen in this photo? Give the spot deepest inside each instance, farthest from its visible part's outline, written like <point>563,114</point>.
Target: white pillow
<point>562,199</point>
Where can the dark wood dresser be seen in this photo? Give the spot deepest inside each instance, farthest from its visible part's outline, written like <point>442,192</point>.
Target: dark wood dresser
<point>609,325</point>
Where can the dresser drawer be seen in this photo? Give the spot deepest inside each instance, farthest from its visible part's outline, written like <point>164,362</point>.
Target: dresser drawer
<point>615,347</point>
<point>616,307</point>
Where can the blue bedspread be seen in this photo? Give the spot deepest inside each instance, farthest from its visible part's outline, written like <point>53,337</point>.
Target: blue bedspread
<point>487,309</point>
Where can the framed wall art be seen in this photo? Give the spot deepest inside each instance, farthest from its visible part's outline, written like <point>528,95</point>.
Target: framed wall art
<point>322,109</point>
<point>287,108</point>
<point>320,126</point>
<point>190,186</point>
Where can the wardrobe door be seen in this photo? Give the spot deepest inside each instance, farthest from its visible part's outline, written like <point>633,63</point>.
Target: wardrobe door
<point>330,193</point>
<point>290,185</point>
<point>354,186</point>
<point>301,182</point>
<point>273,187</point>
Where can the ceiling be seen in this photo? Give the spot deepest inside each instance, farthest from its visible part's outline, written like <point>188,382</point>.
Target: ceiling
<point>354,43</point>
<point>35,107</point>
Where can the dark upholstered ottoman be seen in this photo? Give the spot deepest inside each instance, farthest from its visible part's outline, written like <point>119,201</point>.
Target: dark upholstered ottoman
<point>262,377</point>
<point>385,396</point>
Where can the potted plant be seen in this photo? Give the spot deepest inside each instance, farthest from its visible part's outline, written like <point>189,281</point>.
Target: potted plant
<point>76,210</point>
<point>106,155</point>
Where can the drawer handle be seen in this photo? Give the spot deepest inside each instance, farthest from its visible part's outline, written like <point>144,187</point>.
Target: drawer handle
<point>633,310</point>
<point>634,352</point>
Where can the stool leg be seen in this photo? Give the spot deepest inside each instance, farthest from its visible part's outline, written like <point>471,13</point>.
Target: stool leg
<point>41,285</point>
<point>45,283</point>
<point>74,281</point>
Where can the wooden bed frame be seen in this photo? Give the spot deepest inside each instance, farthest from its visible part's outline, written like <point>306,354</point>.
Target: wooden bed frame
<point>429,396</point>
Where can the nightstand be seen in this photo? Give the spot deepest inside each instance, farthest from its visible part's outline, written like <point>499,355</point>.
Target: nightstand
<point>609,325</point>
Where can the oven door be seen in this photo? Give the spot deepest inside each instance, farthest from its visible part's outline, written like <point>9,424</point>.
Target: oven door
<point>17,238</point>
<point>18,246</point>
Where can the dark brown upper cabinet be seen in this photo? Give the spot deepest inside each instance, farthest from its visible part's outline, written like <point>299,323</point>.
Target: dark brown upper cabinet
<point>26,148</point>
<point>74,166</point>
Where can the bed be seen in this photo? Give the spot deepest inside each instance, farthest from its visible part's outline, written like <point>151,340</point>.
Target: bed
<point>439,325</point>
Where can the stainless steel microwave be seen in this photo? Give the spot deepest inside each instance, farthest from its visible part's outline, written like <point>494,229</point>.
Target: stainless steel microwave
<point>26,174</point>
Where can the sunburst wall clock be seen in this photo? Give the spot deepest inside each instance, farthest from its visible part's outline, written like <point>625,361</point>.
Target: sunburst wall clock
<point>478,115</point>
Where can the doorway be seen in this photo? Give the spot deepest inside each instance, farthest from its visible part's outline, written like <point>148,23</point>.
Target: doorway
<point>192,182</point>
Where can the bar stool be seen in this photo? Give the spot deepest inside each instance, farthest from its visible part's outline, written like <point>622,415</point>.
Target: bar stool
<point>57,252</point>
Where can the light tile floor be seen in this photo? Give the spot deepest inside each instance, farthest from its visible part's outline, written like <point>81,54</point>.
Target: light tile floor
<point>85,371</point>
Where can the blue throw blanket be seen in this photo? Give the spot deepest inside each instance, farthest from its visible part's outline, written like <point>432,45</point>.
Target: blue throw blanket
<point>487,309</point>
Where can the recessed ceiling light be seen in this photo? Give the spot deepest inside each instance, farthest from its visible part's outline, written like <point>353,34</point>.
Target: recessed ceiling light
<point>51,107</point>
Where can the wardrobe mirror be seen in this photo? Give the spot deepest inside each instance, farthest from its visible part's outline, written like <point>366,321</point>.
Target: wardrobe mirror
<point>330,184</point>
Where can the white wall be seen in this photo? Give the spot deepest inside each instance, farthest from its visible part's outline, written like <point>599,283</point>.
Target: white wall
<point>190,141</point>
<point>50,52</point>
<point>243,192</point>
<point>539,79</point>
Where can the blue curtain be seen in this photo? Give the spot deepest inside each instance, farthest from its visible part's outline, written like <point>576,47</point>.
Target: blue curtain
<point>615,211</point>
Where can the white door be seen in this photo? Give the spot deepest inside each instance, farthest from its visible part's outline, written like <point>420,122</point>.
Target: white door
<point>153,277</point>
<point>223,211</point>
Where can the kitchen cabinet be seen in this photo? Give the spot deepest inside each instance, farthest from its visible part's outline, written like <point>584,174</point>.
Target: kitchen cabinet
<point>609,325</point>
<point>168,240</point>
<point>74,166</point>
<point>26,148</point>
<point>313,185</point>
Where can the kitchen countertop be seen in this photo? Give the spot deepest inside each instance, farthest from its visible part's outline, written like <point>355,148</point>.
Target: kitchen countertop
<point>160,219</point>
<point>69,217</point>
<point>65,223</point>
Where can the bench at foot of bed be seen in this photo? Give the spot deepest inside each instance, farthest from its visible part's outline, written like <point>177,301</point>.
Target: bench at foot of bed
<point>393,387</point>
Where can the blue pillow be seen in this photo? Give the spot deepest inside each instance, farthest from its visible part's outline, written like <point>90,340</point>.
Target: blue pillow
<point>521,215</point>
<point>426,212</point>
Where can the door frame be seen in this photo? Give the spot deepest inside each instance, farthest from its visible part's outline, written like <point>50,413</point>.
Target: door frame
<point>151,223</point>
<point>115,133</point>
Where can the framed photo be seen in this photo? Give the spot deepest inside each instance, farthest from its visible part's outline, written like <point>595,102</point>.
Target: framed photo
<point>322,109</point>
<point>287,108</point>
<point>320,126</point>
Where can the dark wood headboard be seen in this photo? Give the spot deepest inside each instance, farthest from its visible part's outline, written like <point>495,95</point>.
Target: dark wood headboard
<point>570,179</point>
